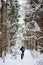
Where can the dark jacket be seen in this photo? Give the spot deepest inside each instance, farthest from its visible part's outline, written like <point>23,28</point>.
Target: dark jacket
<point>22,54</point>
<point>22,49</point>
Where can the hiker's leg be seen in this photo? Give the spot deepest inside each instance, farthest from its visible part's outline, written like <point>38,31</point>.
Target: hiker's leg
<point>22,56</point>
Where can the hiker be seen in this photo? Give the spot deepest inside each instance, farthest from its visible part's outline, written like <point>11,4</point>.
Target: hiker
<point>22,50</point>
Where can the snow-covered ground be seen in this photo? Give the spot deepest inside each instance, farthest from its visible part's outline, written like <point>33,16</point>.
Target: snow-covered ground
<point>30,58</point>
<point>27,60</point>
<point>37,56</point>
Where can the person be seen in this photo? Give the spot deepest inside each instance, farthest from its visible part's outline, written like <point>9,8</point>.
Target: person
<point>22,50</point>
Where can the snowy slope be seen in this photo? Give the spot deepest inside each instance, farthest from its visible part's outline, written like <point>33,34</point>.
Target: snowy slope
<point>27,60</point>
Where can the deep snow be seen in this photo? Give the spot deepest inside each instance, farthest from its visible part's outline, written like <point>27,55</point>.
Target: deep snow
<point>30,58</point>
<point>27,60</point>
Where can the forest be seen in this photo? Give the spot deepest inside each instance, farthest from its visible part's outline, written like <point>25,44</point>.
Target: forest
<point>21,25</point>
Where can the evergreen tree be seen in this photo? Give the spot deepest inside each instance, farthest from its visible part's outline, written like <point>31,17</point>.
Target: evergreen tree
<point>12,19</point>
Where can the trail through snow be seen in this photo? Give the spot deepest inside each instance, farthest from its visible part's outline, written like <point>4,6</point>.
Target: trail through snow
<point>27,60</point>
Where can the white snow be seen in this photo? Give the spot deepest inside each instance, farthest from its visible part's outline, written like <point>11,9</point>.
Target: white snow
<point>5,0</point>
<point>37,28</point>
<point>0,4</point>
<point>38,57</point>
<point>27,60</point>
<point>21,1</point>
<point>40,38</point>
<point>0,32</point>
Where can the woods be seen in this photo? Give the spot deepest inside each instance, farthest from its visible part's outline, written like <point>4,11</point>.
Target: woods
<point>8,22</point>
<point>21,32</point>
<point>21,25</point>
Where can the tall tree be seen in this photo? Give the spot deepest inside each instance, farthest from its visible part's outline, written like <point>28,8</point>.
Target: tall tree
<point>12,19</point>
<point>3,39</point>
